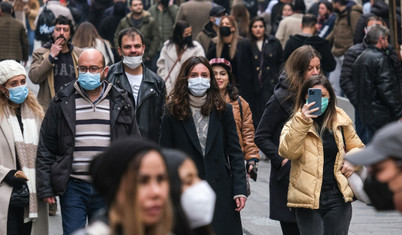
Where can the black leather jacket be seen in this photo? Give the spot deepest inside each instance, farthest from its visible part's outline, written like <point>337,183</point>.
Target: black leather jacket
<point>151,98</point>
<point>379,99</point>
<point>57,136</point>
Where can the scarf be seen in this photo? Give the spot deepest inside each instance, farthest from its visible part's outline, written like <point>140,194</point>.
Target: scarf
<point>26,145</point>
<point>201,122</point>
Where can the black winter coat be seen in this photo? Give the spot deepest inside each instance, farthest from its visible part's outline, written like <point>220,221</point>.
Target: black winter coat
<point>277,112</point>
<point>373,73</point>
<point>328,62</point>
<point>265,74</point>
<point>57,135</point>
<point>151,98</point>
<point>222,166</point>
<point>346,79</point>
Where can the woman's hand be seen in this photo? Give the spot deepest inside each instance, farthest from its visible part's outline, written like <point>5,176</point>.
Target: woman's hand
<point>240,203</point>
<point>306,111</point>
<point>284,161</point>
<point>347,168</point>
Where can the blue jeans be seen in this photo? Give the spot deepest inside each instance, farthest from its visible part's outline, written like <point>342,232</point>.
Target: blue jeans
<point>363,131</point>
<point>79,201</point>
<point>332,217</point>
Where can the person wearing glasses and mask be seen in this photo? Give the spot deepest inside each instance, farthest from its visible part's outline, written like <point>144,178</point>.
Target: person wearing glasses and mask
<point>83,119</point>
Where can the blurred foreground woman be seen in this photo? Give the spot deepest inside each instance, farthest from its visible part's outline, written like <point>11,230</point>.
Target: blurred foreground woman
<point>132,177</point>
<point>20,120</point>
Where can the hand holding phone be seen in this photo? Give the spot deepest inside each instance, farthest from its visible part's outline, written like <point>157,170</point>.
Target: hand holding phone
<point>314,95</point>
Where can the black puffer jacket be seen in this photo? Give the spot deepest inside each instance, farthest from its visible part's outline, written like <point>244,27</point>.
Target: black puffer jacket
<point>57,135</point>
<point>379,99</point>
<point>151,98</point>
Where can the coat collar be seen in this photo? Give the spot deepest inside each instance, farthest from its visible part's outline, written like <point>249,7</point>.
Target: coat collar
<point>8,133</point>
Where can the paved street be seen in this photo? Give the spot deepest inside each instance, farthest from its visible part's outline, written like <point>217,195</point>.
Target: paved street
<point>256,220</point>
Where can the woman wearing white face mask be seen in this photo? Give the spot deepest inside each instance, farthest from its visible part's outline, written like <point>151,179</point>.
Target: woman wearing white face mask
<point>198,122</point>
<point>193,200</point>
<point>20,120</point>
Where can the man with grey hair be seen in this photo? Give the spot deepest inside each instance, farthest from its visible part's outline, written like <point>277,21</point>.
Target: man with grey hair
<point>379,99</point>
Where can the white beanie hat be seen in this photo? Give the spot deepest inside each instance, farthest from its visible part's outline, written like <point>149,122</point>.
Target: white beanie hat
<point>10,69</point>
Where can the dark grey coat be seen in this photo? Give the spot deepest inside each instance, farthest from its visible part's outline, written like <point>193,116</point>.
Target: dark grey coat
<point>224,172</point>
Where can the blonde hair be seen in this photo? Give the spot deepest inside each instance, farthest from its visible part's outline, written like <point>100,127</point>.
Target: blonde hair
<point>30,101</point>
<point>220,43</point>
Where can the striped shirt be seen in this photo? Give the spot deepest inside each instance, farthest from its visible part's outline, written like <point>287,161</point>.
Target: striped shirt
<point>92,131</point>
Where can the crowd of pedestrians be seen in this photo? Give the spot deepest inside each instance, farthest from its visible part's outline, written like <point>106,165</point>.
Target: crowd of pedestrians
<point>151,116</point>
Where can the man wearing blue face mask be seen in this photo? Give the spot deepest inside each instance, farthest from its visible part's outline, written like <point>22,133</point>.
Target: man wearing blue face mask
<point>82,120</point>
<point>210,28</point>
<point>146,89</point>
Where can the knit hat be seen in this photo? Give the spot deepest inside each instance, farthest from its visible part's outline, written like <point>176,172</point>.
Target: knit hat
<point>108,167</point>
<point>221,61</point>
<point>10,69</point>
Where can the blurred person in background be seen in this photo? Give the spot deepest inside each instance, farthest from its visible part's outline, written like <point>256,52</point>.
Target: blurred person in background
<point>325,20</point>
<point>20,120</point>
<point>287,10</point>
<point>175,51</point>
<point>291,25</point>
<point>266,53</point>
<point>193,200</point>
<point>242,17</point>
<point>210,28</point>
<point>86,37</point>
<point>31,11</point>
<point>14,40</point>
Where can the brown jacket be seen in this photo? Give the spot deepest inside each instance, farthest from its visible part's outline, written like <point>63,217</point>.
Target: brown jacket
<point>41,72</point>
<point>341,36</point>
<point>13,39</point>
<point>245,128</point>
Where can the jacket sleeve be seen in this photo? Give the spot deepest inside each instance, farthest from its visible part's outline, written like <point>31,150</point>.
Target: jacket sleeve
<point>166,133</point>
<point>24,44</point>
<point>329,60</point>
<point>388,87</point>
<point>40,67</point>
<point>346,78</point>
<point>293,135</point>
<point>236,157</point>
<point>154,45</point>
<point>250,149</point>
<point>116,34</point>
<point>265,135</point>
<point>161,63</point>
<point>280,33</point>
<point>47,151</point>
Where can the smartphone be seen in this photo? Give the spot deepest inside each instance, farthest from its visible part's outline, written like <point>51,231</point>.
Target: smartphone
<point>314,95</point>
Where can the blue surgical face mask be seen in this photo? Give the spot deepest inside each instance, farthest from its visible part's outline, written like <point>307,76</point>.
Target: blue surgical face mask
<point>218,21</point>
<point>89,81</point>
<point>198,86</point>
<point>18,94</point>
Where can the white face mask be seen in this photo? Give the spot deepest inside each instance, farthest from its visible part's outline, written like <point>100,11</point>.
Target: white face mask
<point>198,202</point>
<point>132,61</point>
<point>198,86</point>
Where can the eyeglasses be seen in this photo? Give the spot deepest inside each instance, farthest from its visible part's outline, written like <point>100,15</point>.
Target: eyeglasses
<point>92,69</point>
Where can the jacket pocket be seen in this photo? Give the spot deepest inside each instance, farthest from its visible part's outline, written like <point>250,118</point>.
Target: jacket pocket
<point>60,173</point>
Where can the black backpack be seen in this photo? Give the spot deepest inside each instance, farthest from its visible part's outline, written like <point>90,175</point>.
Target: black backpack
<point>44,27</point>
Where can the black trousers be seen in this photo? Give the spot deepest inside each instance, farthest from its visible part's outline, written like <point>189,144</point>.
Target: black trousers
<point>15,222</point>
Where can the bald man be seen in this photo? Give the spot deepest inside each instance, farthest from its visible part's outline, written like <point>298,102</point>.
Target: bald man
<point>83,119</point>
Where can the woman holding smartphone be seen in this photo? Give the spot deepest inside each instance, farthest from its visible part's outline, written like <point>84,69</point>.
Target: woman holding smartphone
<point>316,144</point>
<point>302,63</point>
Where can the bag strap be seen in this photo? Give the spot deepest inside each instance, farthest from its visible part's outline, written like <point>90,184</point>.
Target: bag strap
<point>171,69</point>
<point>240,108</point>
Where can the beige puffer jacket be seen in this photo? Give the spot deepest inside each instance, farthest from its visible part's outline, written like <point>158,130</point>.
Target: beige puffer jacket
<point>300,143</point>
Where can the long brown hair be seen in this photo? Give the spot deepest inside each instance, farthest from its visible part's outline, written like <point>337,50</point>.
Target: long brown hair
<point>128,219</point>
<point>242,16</point>
<point>330,113</point>
<point>178,100</point>
<point>30,101</point>
<point>297,65</point>
<point>233,45</point>
<point>86,35</point>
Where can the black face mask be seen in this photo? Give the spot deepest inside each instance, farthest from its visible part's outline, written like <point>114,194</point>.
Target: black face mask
<point>380,195</point>
<point>224,31</point>
<point>188,40</point>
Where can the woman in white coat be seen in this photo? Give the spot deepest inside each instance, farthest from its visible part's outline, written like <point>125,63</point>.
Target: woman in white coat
<point>20,120</point>
<point>175,51</point>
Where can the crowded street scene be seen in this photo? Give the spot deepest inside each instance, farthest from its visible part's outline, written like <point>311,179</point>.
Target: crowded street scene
<point>200,117</point>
